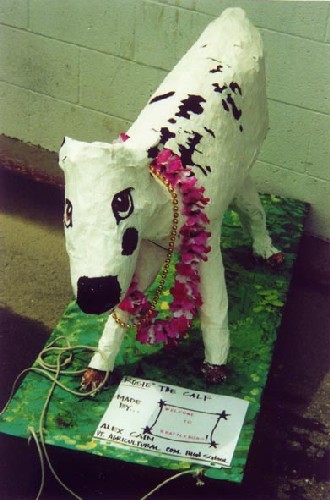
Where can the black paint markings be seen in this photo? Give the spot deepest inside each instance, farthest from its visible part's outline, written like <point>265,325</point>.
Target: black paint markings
<point>227,101</point>
<point>165,135</point>
<point>186,152</point>
<point>210,131</point>
<point>130,241</point>
<point>191,105</point>
<point>237,113</point>
<point>152,152</point>
<point>161,97</point>
<point>234,86</point>
<point>219,89</point>
<point>217,69</point>
<point>188,106</point>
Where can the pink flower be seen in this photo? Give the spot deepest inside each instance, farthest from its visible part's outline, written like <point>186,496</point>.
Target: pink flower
<point>163,156</point>
<point>180,325</point>
<point>123,136</point>
<point>193,249</point>
<point>174,165</point>
<point>146,335</point>
<point>199,220</point>
<point>187,270</point>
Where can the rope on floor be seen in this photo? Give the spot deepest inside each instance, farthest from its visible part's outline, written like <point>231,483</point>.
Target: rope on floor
<point>196,473</point>
<point>53,372</point>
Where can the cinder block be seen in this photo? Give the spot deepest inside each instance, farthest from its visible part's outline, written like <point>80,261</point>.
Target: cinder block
<point>327,35</point>
<point>44,121</point>
<point>184,4</point>
<point>103,25</point>
<point>298,71</point>
<point>15,111</point>
<point>288,136</point>
<point>52,120</point>
<point>304,19</point>
<point>318,158</point>
<point>14,13</point>
<point>39,64</point>
<point>280,181</point>
<point>164,33</point>
<point>114,85</point>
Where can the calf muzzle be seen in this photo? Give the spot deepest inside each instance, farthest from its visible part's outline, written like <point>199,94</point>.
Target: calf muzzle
<point>98,295</point>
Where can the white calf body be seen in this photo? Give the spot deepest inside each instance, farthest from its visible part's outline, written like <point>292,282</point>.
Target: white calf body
<point>211,110</point>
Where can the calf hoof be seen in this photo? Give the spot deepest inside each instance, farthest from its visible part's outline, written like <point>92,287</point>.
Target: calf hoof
<point>92,379</point>
<point>214,374</point>
<point>274,261</point>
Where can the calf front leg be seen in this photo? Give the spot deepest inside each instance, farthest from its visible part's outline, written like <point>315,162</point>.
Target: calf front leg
<point>214,312</point>
<point>150,260</point>
<point>108,348</point>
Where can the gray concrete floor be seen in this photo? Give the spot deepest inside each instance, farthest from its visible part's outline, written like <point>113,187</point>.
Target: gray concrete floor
<point>289,457</point>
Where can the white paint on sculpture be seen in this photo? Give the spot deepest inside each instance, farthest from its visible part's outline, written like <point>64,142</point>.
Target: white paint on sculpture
<point>211,111</point>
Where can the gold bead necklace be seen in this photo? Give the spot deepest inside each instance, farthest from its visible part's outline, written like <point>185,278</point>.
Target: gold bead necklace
<point>170,251</point>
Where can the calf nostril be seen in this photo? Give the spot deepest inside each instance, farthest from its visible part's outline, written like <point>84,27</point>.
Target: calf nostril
<point>98,295</point>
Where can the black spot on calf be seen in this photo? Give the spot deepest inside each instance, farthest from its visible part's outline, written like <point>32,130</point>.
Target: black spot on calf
<point>210,131</point>
<point>234,86</point>
<point>219,89</point>
<point>191,105</point>
<point>165,135</point>
<point>236,112</point>
<point>130,241</point>
<point>227,101</point>
<point>217,69</point>
<point>161,97</point>
<point>186,151</point>
<point>225,105</point>
<point>152,152</point>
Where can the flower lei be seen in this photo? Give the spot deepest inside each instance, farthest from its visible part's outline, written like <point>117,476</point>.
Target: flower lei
<point>193,249</point>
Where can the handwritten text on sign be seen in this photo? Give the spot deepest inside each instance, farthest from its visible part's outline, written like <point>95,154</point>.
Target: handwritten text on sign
<point>192,425</point>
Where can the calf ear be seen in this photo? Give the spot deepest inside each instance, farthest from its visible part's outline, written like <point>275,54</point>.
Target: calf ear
<point>141,148</point>
<point>63,152</point>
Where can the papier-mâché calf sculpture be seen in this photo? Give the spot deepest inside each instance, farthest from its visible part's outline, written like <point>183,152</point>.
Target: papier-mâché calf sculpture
<point>166,185</point>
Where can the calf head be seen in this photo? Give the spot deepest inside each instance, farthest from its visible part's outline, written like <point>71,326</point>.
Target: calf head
<point>106,188</point>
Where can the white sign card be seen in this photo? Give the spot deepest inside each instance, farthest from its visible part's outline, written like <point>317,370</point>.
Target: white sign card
<point>180,423</point>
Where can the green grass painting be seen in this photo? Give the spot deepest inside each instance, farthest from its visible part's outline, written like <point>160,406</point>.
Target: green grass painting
<point>257,295</point>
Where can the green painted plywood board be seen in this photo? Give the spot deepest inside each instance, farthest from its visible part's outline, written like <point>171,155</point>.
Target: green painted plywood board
<point>257,295</point>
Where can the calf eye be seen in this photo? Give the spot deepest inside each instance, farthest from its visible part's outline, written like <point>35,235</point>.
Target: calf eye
<point>122,205</point>
<point>68,213</point>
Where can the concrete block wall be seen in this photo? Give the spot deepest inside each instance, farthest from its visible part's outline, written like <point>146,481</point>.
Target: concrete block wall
<point>85,68</point>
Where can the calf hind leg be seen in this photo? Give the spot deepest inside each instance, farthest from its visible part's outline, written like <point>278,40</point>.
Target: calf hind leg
<point>253,219</point>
